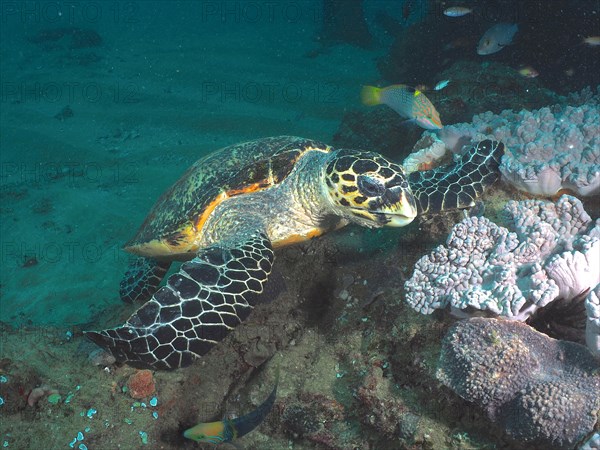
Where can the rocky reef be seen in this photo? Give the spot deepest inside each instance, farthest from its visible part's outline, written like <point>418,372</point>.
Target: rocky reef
<point>541,391</point>
<point>548,252</point>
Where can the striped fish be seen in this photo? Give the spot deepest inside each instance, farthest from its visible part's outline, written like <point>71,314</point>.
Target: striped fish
<point>409,102</point>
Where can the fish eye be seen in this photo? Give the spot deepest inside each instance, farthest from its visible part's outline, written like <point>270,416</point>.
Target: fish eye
<point>369,186</point>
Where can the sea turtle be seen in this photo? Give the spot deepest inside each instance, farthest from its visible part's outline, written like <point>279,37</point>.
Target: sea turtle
<point>231,208</point>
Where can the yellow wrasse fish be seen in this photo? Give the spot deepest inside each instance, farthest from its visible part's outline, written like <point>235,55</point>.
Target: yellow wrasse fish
<point>528,72</point>
<point>592,41</point>
<point>409,102</point>
<point>227,430</point>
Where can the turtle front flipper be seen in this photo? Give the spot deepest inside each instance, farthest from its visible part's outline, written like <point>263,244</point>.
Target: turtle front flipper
<point>142,279</point>
<point>197,307</point>
<point>458,185</point>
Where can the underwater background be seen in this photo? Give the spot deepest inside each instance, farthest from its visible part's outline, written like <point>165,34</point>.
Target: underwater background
<point>105,104</point>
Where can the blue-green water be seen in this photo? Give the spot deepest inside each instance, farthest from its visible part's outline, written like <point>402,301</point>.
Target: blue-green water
<point>105,104</point>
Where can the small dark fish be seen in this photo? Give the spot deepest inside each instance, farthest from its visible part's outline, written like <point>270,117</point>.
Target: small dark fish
<point>496,38</point>
<point>441,85</point>
<point>228,430</point>
<point>457,11</point>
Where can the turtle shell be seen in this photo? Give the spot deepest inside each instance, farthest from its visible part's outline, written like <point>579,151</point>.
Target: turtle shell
<point>175,222</point>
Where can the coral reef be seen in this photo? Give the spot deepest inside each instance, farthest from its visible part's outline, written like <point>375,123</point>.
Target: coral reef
<point>541,391</point>
<point>593,443</point>
<point>549,251</point>
<point>141,384</point>
<point>16,384</point>
<point>313,418</point>
<point>477,87</point>
<point>385,407</point>
<point>592,327</point>
<point>426,153</point>
<point>549,149</point>
<point>99,357</point>
<point>38,393</point>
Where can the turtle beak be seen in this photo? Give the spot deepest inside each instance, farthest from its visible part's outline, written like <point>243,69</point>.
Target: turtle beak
<point>403,211</point>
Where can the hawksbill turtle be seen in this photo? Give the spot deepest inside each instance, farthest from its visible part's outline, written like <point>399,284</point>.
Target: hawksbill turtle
<point>228,212</point>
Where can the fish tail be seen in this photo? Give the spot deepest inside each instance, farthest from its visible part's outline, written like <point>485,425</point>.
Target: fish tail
<point>244,424</point>
<point>370,95</point>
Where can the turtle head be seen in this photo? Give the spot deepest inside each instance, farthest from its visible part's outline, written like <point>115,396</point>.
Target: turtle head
<point>367,189</point>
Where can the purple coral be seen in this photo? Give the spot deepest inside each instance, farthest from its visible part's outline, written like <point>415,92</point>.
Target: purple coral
<point>548,251</point>
<point>549,149</point>
<point>541,391</point>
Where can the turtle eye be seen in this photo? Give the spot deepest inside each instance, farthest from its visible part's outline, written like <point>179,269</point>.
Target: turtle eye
<point>369,186</point>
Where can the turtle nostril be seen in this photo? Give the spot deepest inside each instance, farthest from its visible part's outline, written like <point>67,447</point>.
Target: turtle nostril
<point>370,186</point>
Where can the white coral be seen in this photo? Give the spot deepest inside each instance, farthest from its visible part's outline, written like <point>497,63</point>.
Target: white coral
<point>549,149</point>
<point>550,251</point>
<point>592,327</point>
<point>434,150</point>
<point>576,271</point>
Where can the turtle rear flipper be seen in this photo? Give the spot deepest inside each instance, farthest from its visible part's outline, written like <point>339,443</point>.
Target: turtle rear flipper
<point>142,279</point>
<point>197,307</point>
<point>458,185</point>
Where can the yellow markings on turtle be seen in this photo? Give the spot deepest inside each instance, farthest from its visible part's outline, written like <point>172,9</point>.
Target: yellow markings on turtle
<point>180,243</point>
<point>297,238</point>
<point>153,248</point>
<point>222,197</point>
<point>327,149</point>
<point>250,188</point>
<point>209,209</point>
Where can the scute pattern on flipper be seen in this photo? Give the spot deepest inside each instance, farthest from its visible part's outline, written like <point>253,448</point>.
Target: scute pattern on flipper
<point>142,279</point>
<point>458,185</point>
<point>196,309</point>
